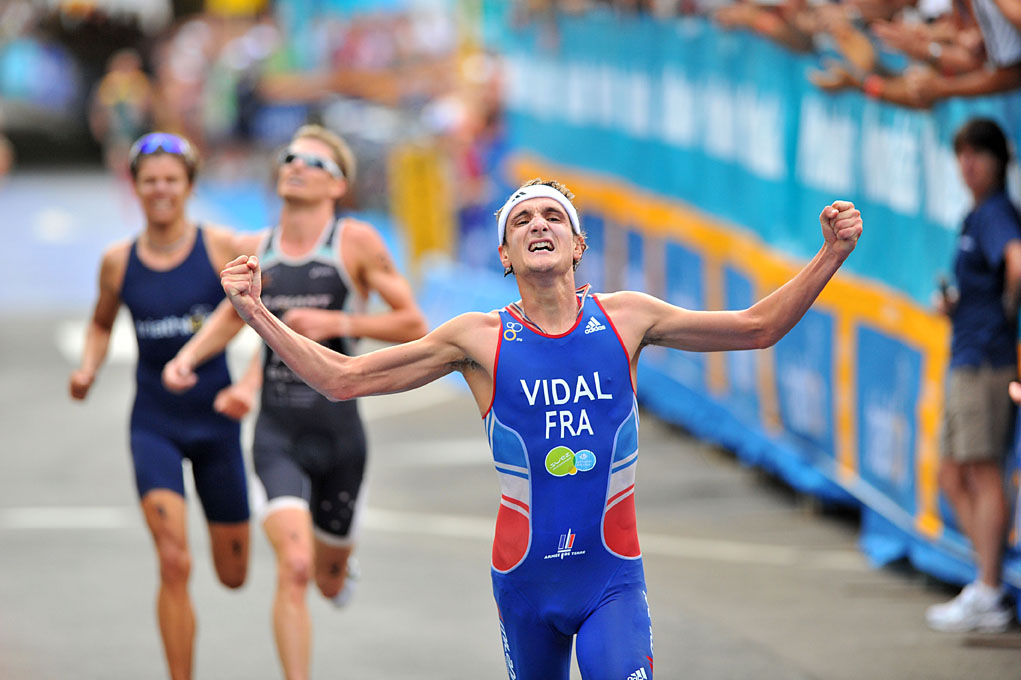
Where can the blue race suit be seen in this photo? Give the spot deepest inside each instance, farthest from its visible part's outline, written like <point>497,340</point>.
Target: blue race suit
<point>168,307</point>
<point>563,428</point>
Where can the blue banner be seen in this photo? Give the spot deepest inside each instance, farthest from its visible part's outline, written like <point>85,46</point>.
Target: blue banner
<point>888,381</point>
<point>731,124</point>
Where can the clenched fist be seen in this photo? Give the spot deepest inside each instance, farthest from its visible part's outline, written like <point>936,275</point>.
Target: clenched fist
<point>234,402</point>
<point>242,282</point>
<point>81,381</point>
<point>179,375</point>
<point>841,226</point>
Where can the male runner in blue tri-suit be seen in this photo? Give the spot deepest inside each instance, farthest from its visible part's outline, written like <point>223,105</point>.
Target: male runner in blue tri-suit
<point>553,376</point>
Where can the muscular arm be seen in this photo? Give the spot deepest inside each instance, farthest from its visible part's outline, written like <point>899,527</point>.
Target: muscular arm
<point>649,321</point>
<point>97,335</point>
<point>404,321</point>
<point>392,369</point>
<point>452,346</point>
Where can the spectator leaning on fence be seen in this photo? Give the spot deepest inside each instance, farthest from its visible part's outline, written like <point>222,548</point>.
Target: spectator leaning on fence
<point>978,415</point>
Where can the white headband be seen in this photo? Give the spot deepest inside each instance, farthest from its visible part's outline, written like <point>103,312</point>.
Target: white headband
<point>535,191</point>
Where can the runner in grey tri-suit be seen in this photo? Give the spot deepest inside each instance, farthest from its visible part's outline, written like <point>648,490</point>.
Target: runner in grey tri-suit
<point>307,449</point>
<point>310,452</point>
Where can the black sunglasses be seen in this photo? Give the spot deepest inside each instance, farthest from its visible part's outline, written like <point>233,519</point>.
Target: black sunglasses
<point>311,160</point>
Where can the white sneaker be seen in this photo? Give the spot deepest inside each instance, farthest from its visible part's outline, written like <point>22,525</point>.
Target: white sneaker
<point>347,591</point>
<point>971,610</point>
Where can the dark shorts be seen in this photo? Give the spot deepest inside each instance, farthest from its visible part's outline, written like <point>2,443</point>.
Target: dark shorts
<point>321,470</point>
<point>214,450</point>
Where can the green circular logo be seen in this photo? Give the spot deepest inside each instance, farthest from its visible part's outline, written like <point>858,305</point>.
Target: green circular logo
<point>560,462</point>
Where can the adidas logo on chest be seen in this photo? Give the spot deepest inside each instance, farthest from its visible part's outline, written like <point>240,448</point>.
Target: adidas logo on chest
<point>593,325</point>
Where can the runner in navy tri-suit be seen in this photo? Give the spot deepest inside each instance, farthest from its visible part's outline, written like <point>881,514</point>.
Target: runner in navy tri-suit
<point>167,278</point>
<point>553,376</point>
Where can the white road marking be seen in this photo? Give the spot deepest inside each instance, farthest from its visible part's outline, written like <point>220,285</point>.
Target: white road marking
<point>20,519</point>
<point>466,451</point>
<point>122,350</point>
<point>467,527</point>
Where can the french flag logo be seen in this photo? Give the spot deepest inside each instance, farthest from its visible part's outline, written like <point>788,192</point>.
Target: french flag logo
<point>566,542</point>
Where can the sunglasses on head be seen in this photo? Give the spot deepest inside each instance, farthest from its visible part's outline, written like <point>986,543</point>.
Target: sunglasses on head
<point>160,141</point>
<point>312,161</point>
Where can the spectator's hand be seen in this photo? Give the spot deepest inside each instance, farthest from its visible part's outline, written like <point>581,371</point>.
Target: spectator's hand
<point>317,324</point>
<point>81,381</point>
<point>918,87</point>
<point>834,78</point>
<point>242,282</point>
<point>234,401</point>
<point>854,45</point>
<point>945,299</point>
<point>900,36</point>
<point>945,303</point>
<point>841,226</point>
<point>1015,392</point>
<point>971,39</point>
<point>179,375</point>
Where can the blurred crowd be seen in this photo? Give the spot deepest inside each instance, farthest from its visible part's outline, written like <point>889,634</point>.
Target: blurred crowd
<point>237,76</point>
<point>237,82</point>
<point>908,52</point>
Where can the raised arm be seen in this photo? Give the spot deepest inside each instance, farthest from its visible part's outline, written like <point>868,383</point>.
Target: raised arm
<point>218,329</point>
<point>646,320</point>
<point>97,335</point>
<point>450,347</point>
